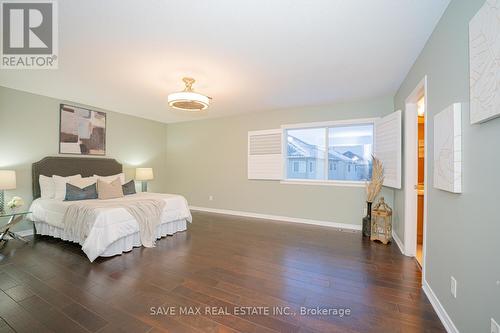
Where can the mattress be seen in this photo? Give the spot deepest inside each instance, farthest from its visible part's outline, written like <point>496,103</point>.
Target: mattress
<point>111,225</point>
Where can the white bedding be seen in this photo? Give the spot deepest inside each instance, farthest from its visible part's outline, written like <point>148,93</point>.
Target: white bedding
<point>112,224</point>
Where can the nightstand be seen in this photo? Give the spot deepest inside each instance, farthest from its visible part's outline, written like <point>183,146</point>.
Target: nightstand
<point>14,218</point>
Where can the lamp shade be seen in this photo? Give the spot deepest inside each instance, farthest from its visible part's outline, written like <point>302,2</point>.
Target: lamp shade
<point>7,179</point>
<point>144,174</point>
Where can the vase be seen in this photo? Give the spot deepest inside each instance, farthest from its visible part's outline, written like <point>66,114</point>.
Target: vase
<point>367,220</point>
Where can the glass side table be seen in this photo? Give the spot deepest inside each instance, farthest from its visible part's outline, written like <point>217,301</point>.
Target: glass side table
<point>14,218</point>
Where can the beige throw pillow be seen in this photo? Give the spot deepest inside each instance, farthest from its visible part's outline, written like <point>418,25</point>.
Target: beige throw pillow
<point>109,190</point>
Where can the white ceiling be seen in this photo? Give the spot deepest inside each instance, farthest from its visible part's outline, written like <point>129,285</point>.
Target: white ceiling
<point>253,55</point>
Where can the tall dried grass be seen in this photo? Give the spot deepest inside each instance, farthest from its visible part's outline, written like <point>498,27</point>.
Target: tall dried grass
<point>374,186</point>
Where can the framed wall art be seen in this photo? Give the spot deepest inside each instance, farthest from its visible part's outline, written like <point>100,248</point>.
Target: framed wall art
<point>448,149</point>
<point>82,131</point>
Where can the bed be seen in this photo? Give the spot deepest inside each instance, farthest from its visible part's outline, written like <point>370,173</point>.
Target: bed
<point>115,230</point>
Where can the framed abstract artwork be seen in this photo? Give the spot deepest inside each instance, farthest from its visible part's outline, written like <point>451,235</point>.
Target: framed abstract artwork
<point>82,131</point>
<point>484,52</point>
<point>448,149</point>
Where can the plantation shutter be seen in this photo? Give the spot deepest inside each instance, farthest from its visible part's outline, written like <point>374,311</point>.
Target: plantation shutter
<point>388,147</point>
<point>265,159</point>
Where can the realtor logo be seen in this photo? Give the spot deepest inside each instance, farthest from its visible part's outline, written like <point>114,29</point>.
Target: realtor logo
<point>29,35</point>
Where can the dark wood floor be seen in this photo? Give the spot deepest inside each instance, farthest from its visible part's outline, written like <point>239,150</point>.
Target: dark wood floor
<point>223,262</point>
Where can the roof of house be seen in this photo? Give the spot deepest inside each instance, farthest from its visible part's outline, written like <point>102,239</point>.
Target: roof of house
<point>299,148</point>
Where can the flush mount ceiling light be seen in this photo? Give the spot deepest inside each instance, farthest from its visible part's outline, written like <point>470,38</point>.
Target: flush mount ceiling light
<point>188,99</point>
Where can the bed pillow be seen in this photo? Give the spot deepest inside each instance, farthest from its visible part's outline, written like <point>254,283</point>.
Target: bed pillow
<point>109,179</point>
<point>83,182</point>
<point>60,185</point>
<point>129,188</point>
<point>74,193</point>
<point>111,190</point>
<point>47,187</point>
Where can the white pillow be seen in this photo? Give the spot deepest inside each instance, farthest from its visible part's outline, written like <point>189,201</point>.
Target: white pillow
<point>47,187</point>
<point>60,185</point>
<point>109,179</point>
<point>83,182</point>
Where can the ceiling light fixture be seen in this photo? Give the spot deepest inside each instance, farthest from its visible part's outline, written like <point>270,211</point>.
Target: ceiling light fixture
<point>188,100</point>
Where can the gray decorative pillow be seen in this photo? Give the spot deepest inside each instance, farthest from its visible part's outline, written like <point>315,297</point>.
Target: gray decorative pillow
<point>129,188</point>
<point>74,193</point>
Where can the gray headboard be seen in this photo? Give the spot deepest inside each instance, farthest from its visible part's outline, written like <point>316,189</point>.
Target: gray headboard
<point>67,166</point>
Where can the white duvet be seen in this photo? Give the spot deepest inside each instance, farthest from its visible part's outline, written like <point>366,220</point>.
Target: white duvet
<point>111,223</point>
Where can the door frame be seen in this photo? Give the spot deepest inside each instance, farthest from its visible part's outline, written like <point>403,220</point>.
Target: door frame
<point>411,170</point>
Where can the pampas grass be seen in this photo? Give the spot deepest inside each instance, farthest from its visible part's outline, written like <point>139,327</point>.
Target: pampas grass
<point>374,186</point>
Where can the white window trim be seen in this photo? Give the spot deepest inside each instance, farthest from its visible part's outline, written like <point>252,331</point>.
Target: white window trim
<point>327,125</point>
<point>323,182</point>
<point>330,123</point>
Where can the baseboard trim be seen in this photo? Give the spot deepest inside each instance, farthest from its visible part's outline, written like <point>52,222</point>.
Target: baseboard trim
<point>398,242</point>
<point>438,307</point>
<point>341,226</point>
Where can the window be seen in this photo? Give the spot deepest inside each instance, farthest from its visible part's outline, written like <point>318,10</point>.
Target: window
<point>334,152</point>
<point>351,145</point>
<point>306,145</point>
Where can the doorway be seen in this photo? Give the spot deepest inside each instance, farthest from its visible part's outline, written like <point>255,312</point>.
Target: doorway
<point>415,170</point>
<point>421,177</point>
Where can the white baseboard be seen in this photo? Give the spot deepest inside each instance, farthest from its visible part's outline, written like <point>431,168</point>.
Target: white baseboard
<point>438,307</point>
<point>398,242</point>
<point>342,226</point>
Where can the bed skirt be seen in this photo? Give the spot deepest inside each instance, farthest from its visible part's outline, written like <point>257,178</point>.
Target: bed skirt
<point>124,244</point>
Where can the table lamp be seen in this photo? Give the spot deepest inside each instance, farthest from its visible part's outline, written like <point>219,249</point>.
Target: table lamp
<point>7,182</point>
<point>144,174</point>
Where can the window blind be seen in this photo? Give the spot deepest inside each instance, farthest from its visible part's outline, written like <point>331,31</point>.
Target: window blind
<point>265,154</point>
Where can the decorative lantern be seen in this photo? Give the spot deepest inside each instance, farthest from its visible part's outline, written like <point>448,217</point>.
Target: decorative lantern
<point>381,222</point>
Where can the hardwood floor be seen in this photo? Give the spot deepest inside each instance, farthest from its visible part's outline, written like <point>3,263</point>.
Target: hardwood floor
<point>221,263</point>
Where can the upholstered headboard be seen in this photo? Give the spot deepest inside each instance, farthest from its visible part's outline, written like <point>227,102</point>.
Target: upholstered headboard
<point>67,166</point>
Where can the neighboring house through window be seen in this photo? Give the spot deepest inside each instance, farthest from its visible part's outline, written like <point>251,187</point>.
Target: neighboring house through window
<point>330,151</point>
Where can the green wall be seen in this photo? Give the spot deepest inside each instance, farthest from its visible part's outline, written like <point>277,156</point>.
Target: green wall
<point>462,229</point>
<point>196,159</point>
<point>209,158</point>
<point>29,131</point>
